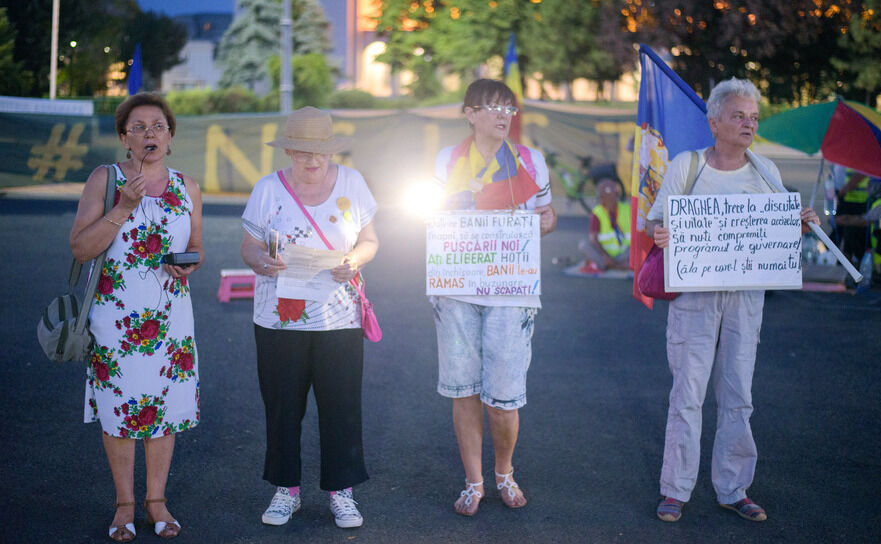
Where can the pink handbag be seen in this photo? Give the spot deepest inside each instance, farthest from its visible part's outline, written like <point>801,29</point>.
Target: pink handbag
<point>369,323</point>
<point>651,276</point>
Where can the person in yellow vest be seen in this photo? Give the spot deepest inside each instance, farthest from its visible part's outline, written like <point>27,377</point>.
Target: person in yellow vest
<point>608,245</point>
<point>852,200</point>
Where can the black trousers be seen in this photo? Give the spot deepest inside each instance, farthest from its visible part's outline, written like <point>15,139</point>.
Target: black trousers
<point>289,363</point>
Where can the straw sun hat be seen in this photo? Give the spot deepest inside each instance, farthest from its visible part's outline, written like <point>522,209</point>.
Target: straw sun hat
<point>310,129</point>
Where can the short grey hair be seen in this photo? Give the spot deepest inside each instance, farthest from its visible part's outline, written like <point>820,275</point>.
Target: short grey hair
<point>729,87</point>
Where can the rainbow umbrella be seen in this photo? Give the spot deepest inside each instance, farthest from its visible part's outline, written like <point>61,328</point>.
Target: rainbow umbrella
<point>847,133</point>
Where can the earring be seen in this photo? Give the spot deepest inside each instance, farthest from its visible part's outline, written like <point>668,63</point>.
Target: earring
<point>168,152</point>
<point>128,153</point>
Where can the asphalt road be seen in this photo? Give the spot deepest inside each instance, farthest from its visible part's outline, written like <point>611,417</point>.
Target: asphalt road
<point>591,437</point>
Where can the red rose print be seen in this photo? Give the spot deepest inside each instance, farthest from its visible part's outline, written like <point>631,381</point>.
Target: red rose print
<point>154,243</point>
<point>125,409</point>
<point>102,372</point>
<point>171,199</point>
<point>130,258</point>
<point>133,233</point>
<point>147,415</point>
<point>186,361</point>
<point>105,284</point>
<point>150,329</point>
<point>125,346</point>
<point>127,321</point>
<point>290,309</point>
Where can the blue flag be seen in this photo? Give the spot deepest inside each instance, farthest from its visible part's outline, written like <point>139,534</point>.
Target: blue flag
<point>670,119</point>
<point>134,74</point>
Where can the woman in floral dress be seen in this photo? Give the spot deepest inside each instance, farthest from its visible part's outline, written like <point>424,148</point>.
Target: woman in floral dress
<point>142,380</point>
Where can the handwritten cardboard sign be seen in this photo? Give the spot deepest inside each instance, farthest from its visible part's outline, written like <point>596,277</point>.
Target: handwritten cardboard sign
<point>483,253</point>
<point>733,242</point>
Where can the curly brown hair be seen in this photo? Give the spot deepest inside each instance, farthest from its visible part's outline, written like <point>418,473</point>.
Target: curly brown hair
<point>143,99</point>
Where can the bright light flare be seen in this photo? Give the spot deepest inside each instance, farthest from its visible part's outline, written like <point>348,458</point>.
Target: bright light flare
<point>422,198</point>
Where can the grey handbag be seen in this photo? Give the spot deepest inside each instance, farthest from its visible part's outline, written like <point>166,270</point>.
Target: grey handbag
<point>63,329</point>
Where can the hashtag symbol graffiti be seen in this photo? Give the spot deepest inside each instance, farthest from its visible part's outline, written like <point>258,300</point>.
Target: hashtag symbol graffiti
<point>56,156</point>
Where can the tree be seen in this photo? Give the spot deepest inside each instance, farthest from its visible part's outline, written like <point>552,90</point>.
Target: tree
<point>784,46</point>
<point>861,51</point>
<point>561,39</point>
<point>161,42</point>
<point>16,80</point>
<point>313,79</point>
<point>242,53</point>
<point>310,29</point>
<point>578,39</point>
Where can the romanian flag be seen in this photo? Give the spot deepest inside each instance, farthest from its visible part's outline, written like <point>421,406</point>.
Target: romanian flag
<point>504,183</point>
<point>670,119</point>
<point>512,80</point>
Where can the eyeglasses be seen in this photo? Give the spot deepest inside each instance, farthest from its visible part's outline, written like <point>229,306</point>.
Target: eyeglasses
<point>496,108</point>
<point>304,156</point>
<point>158,128</point>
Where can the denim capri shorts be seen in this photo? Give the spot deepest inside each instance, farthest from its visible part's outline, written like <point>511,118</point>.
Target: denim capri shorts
<point>483,350</point>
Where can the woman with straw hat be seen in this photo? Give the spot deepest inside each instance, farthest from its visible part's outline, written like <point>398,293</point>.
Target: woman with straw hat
<point>308,334</point>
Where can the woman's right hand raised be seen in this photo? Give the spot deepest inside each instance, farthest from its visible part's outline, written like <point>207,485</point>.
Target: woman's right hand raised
<point>661,237</point>
<point>131,193</point>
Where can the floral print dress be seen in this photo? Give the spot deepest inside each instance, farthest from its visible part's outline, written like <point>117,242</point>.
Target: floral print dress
<point>142,380</point>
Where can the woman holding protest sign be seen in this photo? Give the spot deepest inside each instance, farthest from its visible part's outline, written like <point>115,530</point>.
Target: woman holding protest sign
<point>142,379</point>
<point>715,333</point>
<point>309,335</point>
<point>485,341</point>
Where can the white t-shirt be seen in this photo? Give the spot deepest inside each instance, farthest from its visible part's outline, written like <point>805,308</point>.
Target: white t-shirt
<point>349,208</point>
<point>711,181</point>
<point>541,198</point>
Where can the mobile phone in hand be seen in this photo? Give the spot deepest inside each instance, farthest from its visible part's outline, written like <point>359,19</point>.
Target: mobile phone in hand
<point>185,259</point>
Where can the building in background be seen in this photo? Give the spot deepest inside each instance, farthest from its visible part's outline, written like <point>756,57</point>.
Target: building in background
<point>198,69</point>
<point>355,47</point>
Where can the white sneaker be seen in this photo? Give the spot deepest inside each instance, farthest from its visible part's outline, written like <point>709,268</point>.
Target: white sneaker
<point>281,508</point>
<point>345,512</point>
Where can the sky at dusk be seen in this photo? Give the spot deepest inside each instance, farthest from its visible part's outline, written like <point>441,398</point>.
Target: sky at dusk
<point>184,7</point>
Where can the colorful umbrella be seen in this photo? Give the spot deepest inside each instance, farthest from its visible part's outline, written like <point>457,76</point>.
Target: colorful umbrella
<point>847,133</point>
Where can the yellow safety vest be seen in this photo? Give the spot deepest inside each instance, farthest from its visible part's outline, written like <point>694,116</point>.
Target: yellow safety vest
<point>859,195</point>
<point>613,242</point>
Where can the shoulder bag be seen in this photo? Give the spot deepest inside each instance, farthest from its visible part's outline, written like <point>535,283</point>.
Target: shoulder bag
<point>369,323</point>
<point>63,330</point>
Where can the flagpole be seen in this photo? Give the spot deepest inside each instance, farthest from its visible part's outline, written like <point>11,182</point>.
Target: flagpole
<point>53,50</point>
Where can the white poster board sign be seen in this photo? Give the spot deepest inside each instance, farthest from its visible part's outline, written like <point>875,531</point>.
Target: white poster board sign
<point>733,242</point>
<point>483,253</point>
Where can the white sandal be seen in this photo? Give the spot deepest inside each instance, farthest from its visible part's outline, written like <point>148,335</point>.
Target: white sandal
<point>469,493</point>
<point>509,484</point>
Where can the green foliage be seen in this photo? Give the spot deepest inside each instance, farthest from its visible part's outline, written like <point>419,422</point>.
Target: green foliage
<point>351,99</point>
<point>313,79</point>
<point>242,53</point>
<point>243,49</point>
<point>105,32</point>
<point>561,39</point>
<point>16,80</point>
<point>860,59</point>
<point>786,47</point>
<point>207,102</point>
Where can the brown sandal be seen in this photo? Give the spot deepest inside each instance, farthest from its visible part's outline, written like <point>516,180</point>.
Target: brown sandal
<point>163,529</point>
<point>122,533</point>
